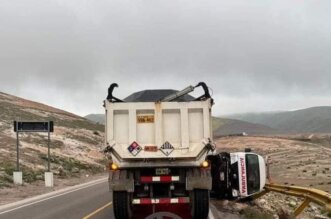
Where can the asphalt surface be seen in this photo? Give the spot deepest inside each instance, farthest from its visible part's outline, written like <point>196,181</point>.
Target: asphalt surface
<point>72,204</point>
<point>87,201</point>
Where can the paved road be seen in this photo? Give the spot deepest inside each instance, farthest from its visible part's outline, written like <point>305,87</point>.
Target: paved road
<point>87,201</point>
<point>77,203</point>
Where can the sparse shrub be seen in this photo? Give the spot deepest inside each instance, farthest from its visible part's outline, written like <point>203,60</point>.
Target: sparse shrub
<point>5,181</point>
<point>9,168</point>
<point>325,212</point>
<point>30,176</point>
<point>304,171</point>
<point>70,165</point>
<point>96,133</point>
<point>285,214</point>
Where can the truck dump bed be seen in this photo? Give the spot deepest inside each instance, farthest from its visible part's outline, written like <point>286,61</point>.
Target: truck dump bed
<point>152,133</point>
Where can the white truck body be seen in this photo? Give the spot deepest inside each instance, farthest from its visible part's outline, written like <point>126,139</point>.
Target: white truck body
<point>185,125</point>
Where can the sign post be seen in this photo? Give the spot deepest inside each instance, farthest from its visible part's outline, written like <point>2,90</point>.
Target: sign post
<point>33,127</point>
<point>17,175</point>
<point>49,154</point>
<point>18,154</point>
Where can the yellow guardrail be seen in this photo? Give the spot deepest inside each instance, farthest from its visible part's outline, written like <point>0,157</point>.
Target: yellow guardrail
<point>309,194</point>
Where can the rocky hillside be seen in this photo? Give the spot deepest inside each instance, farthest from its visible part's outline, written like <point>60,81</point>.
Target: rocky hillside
<point>96,118</point>
<point>310,120</point>
<point>223,127</point>
<point>75,143</point>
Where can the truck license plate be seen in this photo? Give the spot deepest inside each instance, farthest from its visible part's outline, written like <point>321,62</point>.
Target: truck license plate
<point>145,119</point>
<point>162,171</point>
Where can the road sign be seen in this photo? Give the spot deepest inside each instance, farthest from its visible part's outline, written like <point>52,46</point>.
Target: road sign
<point>33,126</point>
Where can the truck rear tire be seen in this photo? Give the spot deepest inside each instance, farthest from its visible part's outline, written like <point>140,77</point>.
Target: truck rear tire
<point>122,205</point>
<point>200,203</point>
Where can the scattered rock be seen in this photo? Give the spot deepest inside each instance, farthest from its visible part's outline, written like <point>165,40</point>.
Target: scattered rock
<point>321,217</point>
<point>239,206</point>
<point>224,202</point>
<point>61,171</point>
<point>262,201</point>
<point>283,213</point>
<point>292,204</point>
<point>75,170</point>
<point>313,208</point>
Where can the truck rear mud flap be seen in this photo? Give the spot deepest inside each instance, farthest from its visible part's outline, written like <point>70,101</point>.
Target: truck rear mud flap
<point>198,178</point>
<point>121,180</point>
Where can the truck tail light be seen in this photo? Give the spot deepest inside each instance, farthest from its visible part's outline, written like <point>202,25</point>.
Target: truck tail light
<point>113,166</point>
<point>205,164</point>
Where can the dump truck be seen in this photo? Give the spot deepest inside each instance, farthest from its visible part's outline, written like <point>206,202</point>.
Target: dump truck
<point>162,152</point>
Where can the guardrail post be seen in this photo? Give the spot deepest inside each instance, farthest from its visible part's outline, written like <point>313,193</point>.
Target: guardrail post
<point>304,204</point>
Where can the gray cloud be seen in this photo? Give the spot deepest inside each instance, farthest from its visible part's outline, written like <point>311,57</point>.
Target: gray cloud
<point>256,56</point>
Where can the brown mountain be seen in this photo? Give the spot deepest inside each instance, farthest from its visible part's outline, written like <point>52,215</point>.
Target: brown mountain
<point>75,143</point>
<point>223,127</point>
<point>309,120</point>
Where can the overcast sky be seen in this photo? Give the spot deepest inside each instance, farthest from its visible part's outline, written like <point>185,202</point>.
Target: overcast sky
<point>256,55</point>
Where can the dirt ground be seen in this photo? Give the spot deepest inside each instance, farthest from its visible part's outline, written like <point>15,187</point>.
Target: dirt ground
<point>291,162</point>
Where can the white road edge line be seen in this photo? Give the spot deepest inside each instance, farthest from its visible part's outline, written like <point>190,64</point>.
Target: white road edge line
<point>37,199</point>
<point>211,215</point>
<point>212,209</point>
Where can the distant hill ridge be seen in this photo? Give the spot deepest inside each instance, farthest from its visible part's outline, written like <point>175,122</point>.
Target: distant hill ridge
<point>221,126</point>
<point>225,126</point>
<point>96,118</point>
<point>310,120</point>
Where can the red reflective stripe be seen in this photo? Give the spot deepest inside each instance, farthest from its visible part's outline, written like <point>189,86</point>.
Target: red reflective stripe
<point>148,201</point>
<point>165,179</point>
<point>149,179</point>
<point>146,179</point>
<point>183,200</point>
<point>164,200</point>
<point>145,201</point>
